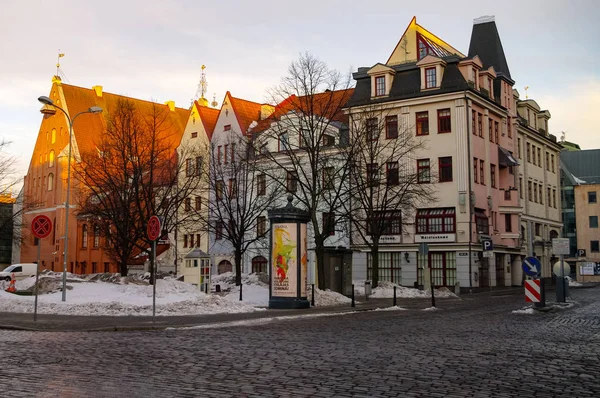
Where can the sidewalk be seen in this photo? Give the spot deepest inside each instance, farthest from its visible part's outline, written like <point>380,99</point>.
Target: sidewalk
<point>56,323</point>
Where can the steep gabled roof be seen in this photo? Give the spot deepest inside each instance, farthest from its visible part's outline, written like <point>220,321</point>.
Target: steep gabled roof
<point>245,111</point>
<point>485,42</point>
<point>209,117</point>
<point>407,49</point>
<point>87,129</point>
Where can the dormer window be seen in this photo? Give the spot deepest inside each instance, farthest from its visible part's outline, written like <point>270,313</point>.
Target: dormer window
<point>432,72</point>
<point>430,78</point>
<point>380,86</point>
<point>382,77</point>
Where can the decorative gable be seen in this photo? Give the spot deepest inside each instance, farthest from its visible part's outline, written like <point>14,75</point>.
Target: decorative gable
<point>416,43</point>
<point>382,77</point>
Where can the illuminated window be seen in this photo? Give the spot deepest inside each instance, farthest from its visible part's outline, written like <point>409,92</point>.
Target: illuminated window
<point>422,123</point>
<point>53,136</point>
<point>51,159</point>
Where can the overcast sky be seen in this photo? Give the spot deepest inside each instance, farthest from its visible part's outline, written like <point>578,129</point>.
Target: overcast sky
<point>154,50</point>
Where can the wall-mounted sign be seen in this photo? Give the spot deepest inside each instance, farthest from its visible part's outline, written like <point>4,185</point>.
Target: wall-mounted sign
<point>386,239</point>
<point>435,238</point>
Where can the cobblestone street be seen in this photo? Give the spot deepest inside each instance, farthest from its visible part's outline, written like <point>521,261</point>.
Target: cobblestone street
<point>473,347</point>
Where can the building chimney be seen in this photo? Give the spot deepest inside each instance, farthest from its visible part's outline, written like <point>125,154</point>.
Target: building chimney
<point>98,90</point>
<point>171,105</point>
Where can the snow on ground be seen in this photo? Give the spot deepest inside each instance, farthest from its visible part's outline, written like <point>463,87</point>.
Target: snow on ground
<point>255,290</point>
<point>524,311</point>
<point>394,308</point>
<point>386,290</point>
<point>122,296</point>
<point>573,283</point>
<point>109,294</point>
<point>431,309</point>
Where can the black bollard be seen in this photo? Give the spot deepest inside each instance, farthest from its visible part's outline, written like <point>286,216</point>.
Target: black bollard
<point>394,296</point>
<point>353,305</point>
<point>432,288</point>
<point>312,300</point>
<point>241,292</point>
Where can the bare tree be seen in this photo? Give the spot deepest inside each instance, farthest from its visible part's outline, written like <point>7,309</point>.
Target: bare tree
<point>386,182</point>
<point>241,196</point>
<point>307,145</point>
<point>130,175</point>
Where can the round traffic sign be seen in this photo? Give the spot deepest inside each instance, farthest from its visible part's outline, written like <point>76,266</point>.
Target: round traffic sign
<point>556,268</point>
<point>532,266</point>
<point>153,228</point>
<point>41,226</point>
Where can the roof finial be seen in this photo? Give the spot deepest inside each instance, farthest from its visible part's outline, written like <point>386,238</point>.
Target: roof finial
<point>215,103</point>
<point>526,88</point>
<point>202,87</point>
<point>60,55</point>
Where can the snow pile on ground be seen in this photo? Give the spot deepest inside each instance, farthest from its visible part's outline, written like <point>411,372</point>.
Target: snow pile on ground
<point>123,296</point>
<point>394,308</point>
<point>255,291</point>
<point>573,283</point>
<point>528,310</point>
<point>431,309</point>
<point>386,290</point>
<point>113,295</point>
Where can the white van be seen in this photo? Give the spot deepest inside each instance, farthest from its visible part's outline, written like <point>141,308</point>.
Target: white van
<point>21,271</point>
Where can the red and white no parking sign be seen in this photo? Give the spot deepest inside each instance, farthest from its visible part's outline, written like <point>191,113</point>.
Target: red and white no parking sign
<point>153,228</point>
<point>41,226</point>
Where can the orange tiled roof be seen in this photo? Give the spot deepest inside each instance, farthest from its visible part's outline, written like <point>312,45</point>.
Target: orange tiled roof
<point>88,128</point>
<point>328,104</point>
<point>245,111</point>
<point>209,118</point>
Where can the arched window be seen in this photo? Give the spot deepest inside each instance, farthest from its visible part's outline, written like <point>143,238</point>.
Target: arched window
<point>224,266</point>
<point>51,159</point>
<point>50,182</point>
<point>259,264</point>
<point>84,236</point>
<point>53,136</point>
<point>553,234</point>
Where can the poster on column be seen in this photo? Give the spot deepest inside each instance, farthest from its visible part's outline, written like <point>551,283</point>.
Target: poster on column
<point>284,275</point>
<point>303,260</point>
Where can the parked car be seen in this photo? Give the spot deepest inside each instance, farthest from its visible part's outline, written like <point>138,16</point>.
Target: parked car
<point>21,271</point>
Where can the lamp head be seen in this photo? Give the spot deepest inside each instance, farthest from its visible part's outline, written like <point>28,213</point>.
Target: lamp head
<point>45,100</point>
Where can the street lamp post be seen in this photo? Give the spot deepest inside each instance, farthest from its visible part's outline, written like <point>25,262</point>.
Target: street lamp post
<point>94,109</point>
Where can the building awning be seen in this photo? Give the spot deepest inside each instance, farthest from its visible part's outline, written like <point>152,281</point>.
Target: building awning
<point>505,158</point>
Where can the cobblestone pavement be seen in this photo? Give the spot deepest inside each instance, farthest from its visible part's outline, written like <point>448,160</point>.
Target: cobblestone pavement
<point>474,347</point>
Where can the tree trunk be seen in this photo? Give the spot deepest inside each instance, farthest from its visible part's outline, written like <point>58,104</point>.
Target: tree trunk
<point>238,267</point>
<point>123,268</point>
<point>320,254</point>
<point>374,266</point>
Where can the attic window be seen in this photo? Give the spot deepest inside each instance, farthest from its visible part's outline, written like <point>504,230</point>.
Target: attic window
<point>379,86</point>
<point>194,134</point>
<point>227,127</point>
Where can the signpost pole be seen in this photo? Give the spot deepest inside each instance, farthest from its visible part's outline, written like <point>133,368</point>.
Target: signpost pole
<point>153,279</point>
<point>37,272</point>
<point>41,227</point>
<point>563,298</point>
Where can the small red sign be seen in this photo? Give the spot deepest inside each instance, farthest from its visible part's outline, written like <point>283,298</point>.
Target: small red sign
<point>153,228</point>
<point>41,226</point>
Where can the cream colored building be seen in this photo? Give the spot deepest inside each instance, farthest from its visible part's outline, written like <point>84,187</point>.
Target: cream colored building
<point>462,107</point>
<point>588,232</point>
<point>539,182</point>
